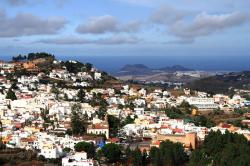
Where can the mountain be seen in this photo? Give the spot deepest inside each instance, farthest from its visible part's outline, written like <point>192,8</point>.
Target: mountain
<point>222,83</point>
<point>142,73</point>
<point>140,69</point>
<point>135,69</point>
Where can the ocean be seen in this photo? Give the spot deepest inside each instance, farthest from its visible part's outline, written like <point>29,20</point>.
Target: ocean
<point>203,63</point>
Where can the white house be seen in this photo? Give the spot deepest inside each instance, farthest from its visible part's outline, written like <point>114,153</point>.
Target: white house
<point>49,151</point>
<point>97,75</point>
<point>139,111</point>
<point>98,129</point>
<point>78,159</point>
<point>202,103</point>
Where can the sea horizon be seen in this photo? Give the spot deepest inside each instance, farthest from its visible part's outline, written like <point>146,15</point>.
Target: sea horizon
<point>113,63</point>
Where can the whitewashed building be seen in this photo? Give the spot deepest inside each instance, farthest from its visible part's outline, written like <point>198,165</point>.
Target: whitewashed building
<point>78,159</point>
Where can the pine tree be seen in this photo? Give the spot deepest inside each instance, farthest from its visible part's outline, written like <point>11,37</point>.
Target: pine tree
<point>11,95</point>
<point>137,157</point>
<point>81,95</point>
<point>77,123</point>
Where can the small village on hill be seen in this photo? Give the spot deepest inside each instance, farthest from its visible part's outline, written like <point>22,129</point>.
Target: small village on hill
<point>70,113</point>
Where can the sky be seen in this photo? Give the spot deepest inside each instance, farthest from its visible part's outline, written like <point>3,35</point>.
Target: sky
<point>126,27</point>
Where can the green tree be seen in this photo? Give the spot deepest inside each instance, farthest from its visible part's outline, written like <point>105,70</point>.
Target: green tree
<point>145,160</point>
<point>120,106</point>
<point>128,153</point>
<point>198,158</point>
<point>66,97</point>
<point>81,95</point>
<point>203,121</point>
<point>112,152</point>
<point>185,104</point>
<point>137,157</point>
<point>69,132</point>
<point>102,109</point>
<point>238,123</point>
<point>131,105</point>
<point>67,150</point>
<point>73,67</point>
<point>128,120</point>
<point>114,124</point>
<point>88,66</point>
<point>89,148</point>
<point>222,149</point>
<point>77,122</point>
<point>32,56</point>
<point>186,107</point>
<point>11,95</point>
<point>41,158</point>
<point>174,113</point>
<point>168,153</point>
<point>56,91</point>
<point>155,156</point>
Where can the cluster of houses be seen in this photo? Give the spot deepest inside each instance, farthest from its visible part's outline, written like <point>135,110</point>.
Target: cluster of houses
<point>24,126</point>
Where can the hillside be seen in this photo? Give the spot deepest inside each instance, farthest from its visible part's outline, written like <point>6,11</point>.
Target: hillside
<point>174,74</point>
<point>140,69</point>
<point>34,63</point>
<point>137,69</point>
<point>222,83</point>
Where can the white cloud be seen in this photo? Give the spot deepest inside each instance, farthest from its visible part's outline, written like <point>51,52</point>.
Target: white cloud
<point>167,15</point>
<point>24,24</point>
<point>97,25</point>
<point>106,24</point>
<point>205,24</point>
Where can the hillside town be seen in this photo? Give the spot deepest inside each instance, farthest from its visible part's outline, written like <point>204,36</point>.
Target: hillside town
<point>50,107</point>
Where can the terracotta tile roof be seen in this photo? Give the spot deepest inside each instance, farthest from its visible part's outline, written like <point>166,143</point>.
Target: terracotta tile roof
<point>225,125</point>
<point>28,139</point>
<point>177,130</point>
<point>99,126</point>
<point>156,143</point>
<point>164,126</point>
<point>114,140</point>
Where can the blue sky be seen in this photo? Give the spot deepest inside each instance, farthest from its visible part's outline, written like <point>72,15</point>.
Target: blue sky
<point>125,27</point>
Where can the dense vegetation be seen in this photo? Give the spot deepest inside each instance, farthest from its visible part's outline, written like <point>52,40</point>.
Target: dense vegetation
<point>168,153</point>
<point>78,121</point>
<point>114,124</point>
<point>11,95</point>
<point>89,148</point>
<point>222,149</point>
<point>218,149</point>
<point>184,110</point>
<point>112,152</point>
<point>75,66</point>
<point>32,56</point>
